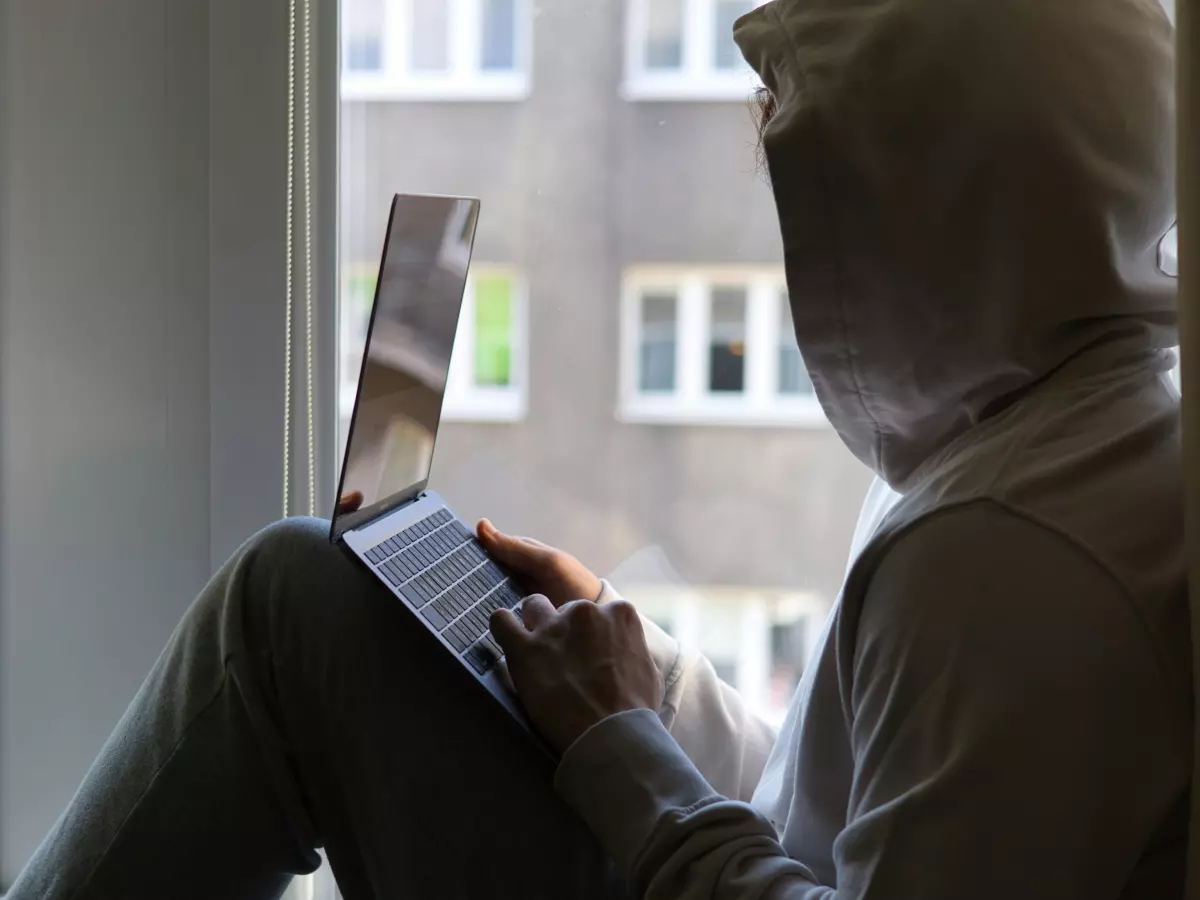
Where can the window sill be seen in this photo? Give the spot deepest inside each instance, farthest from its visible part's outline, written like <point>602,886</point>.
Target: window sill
<point>671,411</point>
<point>504,89</point>
<point>501,406</point>
<point>739,87</point>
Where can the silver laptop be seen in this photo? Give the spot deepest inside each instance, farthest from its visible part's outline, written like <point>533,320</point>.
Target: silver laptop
<point>406,534</point>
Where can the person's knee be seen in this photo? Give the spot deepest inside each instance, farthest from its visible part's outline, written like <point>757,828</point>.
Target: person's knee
<point>300,586</point>
<point>295,534</point>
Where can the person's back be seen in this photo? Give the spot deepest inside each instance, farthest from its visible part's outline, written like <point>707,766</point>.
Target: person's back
<point>1055,718</point>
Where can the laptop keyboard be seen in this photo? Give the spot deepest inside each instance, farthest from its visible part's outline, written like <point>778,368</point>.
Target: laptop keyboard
<point>441,571</point>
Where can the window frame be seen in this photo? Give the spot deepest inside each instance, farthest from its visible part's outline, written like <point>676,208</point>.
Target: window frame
<point>691,402</point>
<point>464,79</point>
<point>466,401</point>
<point>690,609</point>
<point>697,78</point>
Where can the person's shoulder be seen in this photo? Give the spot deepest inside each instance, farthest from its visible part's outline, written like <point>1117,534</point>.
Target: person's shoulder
<point>1000,555</point>
<point>980,581</point>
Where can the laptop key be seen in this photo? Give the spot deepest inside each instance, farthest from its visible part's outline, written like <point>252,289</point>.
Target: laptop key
<point>476,659</point>
<point>445,608</point>
<point>411,596</point>
<point>393,575</point>
<point>508,596</point>
<point>456,602</point>
<point>496,648</point>
<point>457,637</point>
<point>481,657</point>
<point>436,619</point>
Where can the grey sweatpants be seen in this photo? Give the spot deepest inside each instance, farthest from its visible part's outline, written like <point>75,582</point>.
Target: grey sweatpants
<point>297,706</point>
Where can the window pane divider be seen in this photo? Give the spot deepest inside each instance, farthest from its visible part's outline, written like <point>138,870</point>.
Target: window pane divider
<point>760,387</point>
<point>691,354</point>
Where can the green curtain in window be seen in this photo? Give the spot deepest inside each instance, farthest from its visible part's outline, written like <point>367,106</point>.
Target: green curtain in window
<point>493,331</point>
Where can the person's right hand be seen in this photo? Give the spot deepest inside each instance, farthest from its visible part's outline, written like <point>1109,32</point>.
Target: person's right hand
<point>540,568</point>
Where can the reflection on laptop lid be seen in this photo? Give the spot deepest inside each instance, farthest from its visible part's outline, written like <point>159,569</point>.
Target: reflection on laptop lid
<point>402,383</point>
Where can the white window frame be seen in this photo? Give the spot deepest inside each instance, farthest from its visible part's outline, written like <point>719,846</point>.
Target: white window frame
<point>697,78</point>
<point>691,402</point>
<point>469,402</point>
<point>463,80</point>
<point>748,646</point>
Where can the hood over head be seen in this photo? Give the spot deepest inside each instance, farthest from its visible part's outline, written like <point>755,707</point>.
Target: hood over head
<point>971,195</point>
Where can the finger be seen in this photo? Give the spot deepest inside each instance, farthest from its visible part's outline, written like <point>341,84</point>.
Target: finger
<point>350,501</point>
<point>519,554</point>
<point>508,631</point>
<point>536,611</point>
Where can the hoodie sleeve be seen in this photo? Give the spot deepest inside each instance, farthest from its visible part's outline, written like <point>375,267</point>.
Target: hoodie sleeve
<point>706,717</point>
<point>1000,690</point>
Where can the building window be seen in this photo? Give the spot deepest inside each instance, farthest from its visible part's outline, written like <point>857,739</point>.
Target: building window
<point>435,49</point>
<point>790,640</point>
<point>362,35</point>
<point>684,49</point>
<point>712,346</point>
<point>657,341</point>
<point>487,369</point>
<point>727,340</point>
<point>793,377</point>
<point>758,639</point>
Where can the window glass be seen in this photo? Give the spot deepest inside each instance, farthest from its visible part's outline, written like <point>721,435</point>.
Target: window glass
<point>493,331</point>
<point>624,383</point>
<point>726,55</point>
<point>664,34</point>
<point>658,340</point>
<point>499,35</point>
<point>362,34</point>
<point>429,43</point>
<point>793,377</point>
<point>727,347</point>
<point>789,655</point>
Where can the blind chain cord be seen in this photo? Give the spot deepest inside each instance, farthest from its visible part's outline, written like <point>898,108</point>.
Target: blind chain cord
<point>299,27</point>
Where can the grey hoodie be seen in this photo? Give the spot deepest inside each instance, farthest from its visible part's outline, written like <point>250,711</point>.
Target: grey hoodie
<point>971,195</point>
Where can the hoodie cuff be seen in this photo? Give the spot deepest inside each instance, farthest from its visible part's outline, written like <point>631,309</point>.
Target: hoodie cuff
<point>623,775</point>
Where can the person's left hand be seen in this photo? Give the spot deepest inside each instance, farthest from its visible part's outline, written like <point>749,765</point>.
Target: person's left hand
<point>574,666</point>
<point>349,502</point>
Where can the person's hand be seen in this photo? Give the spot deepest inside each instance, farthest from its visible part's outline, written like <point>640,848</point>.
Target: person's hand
<point>574,666</point>
<point>540,569</point>
<point>349,502</point>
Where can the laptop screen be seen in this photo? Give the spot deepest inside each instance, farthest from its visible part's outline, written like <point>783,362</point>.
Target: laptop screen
<point>407,355</point>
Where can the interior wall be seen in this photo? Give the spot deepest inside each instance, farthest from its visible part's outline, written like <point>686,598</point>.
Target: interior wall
<point>104,375</point>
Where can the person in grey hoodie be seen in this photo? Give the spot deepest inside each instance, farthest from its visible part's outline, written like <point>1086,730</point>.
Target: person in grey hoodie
<point>972,197</point>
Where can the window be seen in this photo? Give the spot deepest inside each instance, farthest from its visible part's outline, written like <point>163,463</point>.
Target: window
<point>487,370</point>
<point>434,49</point>
<point>684,49</point>
<point>790,640</point>
<point>486,381</point>
<point>625,382</point>
<point>656,349</point>
<point>759,640</point>
<point>727,340</point>
<point>793,377</point>
<point>712,347</point>
<point>362,35</point>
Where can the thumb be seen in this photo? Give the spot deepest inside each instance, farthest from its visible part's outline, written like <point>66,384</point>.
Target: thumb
<point>517,553</point>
